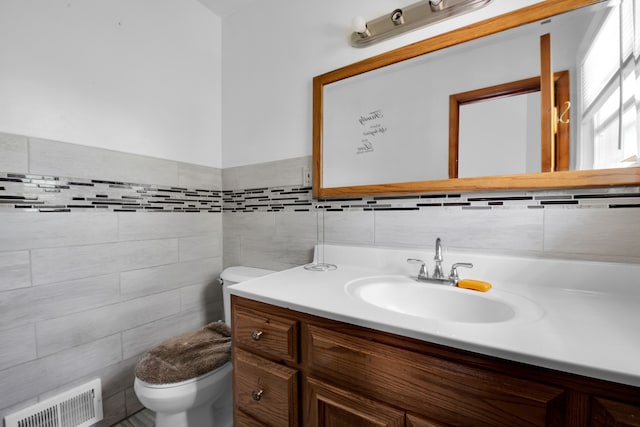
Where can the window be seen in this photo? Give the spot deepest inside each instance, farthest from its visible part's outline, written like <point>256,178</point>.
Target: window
<point>610,80</point>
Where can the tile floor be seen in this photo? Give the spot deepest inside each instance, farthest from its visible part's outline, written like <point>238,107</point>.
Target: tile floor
<point>144,418</point>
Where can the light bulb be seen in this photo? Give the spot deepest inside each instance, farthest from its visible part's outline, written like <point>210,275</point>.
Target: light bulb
<point>436,5</point>
<point>359,25</point>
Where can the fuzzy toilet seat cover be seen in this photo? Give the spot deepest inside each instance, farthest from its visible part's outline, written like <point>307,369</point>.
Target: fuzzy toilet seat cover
<point>187,356</point>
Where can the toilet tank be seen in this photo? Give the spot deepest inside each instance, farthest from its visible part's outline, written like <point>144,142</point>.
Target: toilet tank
<point>231,276</point>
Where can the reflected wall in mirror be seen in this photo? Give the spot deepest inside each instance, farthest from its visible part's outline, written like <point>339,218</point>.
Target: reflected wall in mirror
<point>381,125</point>
<point>496,130</point>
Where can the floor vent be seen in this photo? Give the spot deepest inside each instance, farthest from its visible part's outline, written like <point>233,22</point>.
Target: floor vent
<point>78,407</point>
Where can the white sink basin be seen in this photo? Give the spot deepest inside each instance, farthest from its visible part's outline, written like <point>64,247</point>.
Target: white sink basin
<point>405,295</point>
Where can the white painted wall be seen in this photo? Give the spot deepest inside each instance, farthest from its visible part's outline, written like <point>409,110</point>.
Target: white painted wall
<point>138,76</point>
<point>273,50</point>
<point>515,148</point>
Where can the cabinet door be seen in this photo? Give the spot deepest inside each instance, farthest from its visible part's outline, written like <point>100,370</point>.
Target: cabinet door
<point>609,413</point>
<point>332,407</point>
<point>244,420</point>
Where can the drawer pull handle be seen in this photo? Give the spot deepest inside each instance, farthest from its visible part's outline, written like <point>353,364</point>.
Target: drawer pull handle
<point>256,335</point>
<point>257,395</point>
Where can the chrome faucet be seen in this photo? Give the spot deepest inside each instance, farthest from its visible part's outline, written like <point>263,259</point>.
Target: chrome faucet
<point>437,271</point>
<point>438,276</point>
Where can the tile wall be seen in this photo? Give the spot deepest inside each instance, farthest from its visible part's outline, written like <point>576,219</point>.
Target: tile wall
<point>271,222</point>
<point>102,256</point>
<point>269,218</point>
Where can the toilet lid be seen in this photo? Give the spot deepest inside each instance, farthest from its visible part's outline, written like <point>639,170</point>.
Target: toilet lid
<point>240,273</point>
<point>187,356</point>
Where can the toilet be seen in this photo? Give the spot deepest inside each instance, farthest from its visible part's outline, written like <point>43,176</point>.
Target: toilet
<point>205,400</point>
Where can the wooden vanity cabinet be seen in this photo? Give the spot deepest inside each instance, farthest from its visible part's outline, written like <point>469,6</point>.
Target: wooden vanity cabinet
<point>266,391</point>
<point>318,372</point>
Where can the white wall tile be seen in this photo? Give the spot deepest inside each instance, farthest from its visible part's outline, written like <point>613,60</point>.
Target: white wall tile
<point>232,249</point>
<point>17,407</point>
<point>275,253</point>
<point>270,240</point>
<point>413,229</point>
<point>28,230</point>
<point>59,299</point>
<point>296,225</point>
<point>49,301</point>
<point>61,311</point>
<point>156,225</point>
<point>196,297</point>
<point>249,224</point>
<point>138,340</point>
<point>79,161</point>
<point>192,248</point>
<point>18,346</point>
<point>69,331</point>
<point>15,308</point>
<point>38,376</point>
<point>494,230</point>
<point>349,227</point>
<point>115,378</point>
<point>199,177</point>
<point>15,270</point>
<point>241,230</point>
<point>13,153</point>
<point>59,264</point>
<point>162,278</point>
<point>292,254</point>
<point>607,233</point>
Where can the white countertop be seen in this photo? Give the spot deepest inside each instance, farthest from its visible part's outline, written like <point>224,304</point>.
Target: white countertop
<point>587,320</point>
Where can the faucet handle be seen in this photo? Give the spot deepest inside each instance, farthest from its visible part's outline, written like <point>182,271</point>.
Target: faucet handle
<point>423,273</point>
<point>453,275</point>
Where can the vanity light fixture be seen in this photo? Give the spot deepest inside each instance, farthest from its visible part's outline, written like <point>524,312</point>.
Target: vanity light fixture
<point>414,16</point>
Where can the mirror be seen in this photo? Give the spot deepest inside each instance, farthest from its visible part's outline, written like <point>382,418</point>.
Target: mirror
<point>381,126</point>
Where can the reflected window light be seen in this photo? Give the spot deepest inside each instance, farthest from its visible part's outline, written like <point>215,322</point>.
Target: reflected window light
<point>611,88</point>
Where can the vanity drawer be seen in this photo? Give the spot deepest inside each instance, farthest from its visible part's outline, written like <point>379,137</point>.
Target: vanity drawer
<point>431,387</point>
<point>262,333</point>
<point>265,390</point>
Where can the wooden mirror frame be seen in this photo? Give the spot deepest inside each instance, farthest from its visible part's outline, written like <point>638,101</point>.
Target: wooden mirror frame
<point>558,156</point>
<point>556,179</point>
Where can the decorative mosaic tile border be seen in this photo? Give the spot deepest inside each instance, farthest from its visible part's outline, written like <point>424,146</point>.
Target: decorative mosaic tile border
<point>300,199</point>
<point>58,194</point>
<point>268,199</point>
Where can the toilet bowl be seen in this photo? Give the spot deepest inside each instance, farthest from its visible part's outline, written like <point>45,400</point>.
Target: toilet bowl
<point>186,403</point>
<point>205,400</point>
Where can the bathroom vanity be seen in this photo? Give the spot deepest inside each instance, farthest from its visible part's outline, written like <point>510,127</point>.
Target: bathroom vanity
<point>308,351</point>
